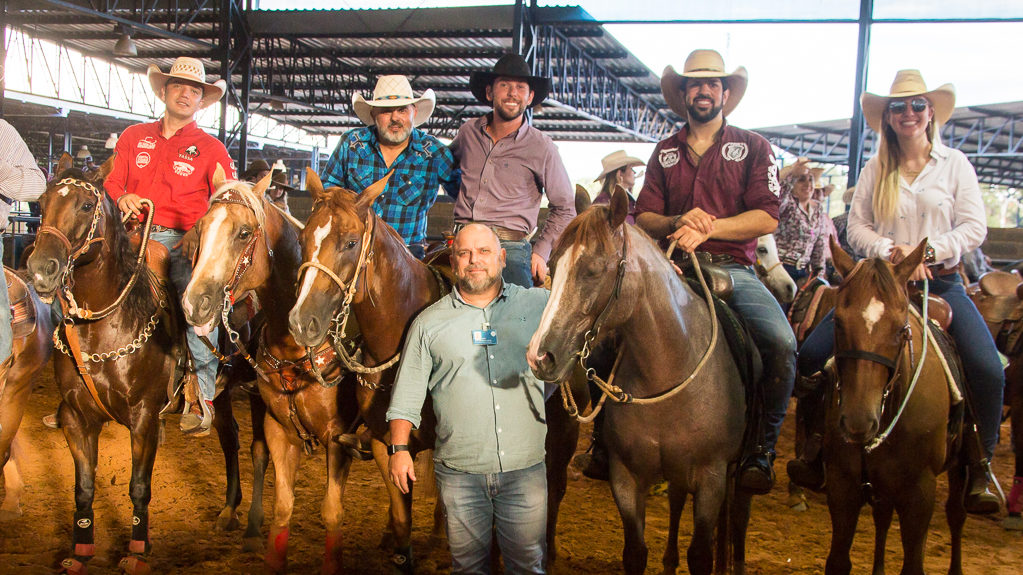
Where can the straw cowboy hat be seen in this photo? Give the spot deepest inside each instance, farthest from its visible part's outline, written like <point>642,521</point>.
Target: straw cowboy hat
<point>390,92</point>
<point>616,161</point>
<point>255,171</point>
<point>192,70</point>
<point>909,83</point>
<point>509,66</point>
<point>703,64</point>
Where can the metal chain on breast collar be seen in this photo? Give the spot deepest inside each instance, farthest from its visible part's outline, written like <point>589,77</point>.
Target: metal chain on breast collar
<point>123,351</point>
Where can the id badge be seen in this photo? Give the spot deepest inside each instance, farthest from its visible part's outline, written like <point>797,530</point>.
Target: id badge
<point>484,337</point>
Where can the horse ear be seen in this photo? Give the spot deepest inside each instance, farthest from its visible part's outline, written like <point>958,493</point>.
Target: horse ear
<point>105,169</point>
<point>582,199</point>
<point>66,162</point>
<point>905,268</point>
<point>370,194</point>
<point>313,185</point>
<point>262,185</point>
<point>843,261</point>
<point>219,177</point>
<point>619,208</point>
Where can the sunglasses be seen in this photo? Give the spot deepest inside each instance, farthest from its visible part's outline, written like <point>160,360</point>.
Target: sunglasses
<point>899,106</point>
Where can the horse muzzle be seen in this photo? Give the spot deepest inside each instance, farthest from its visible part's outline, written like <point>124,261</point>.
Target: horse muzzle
<point>308,329</point>
<point>46,274</point>
<point>201,306</point>
<point>858,430</point>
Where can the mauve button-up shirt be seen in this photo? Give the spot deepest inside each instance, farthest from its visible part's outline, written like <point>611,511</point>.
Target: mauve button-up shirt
<point>502,182</point>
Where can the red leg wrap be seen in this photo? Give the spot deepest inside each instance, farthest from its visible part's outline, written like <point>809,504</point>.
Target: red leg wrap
<point>332,554</point>
<point>277,549</point>
<point>1015,503</point>
<point>73,567</point>
<point>134,565</point>
<point>85,549</point>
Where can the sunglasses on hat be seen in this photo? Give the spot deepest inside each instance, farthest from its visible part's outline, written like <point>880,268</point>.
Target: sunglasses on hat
<point>899,106</point>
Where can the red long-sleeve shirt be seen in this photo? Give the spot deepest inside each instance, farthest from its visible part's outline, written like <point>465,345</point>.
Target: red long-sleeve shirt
<point>176,173</point>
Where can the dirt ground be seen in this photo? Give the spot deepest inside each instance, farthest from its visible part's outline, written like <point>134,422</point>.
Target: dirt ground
<point>188,490</point>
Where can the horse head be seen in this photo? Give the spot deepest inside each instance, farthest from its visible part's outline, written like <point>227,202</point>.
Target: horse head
<point>771,272</point>
<point>73,209</point>
<point>234,251</point>
<point>590,259</point>
<point>871,330</point>
<point>337,245</point>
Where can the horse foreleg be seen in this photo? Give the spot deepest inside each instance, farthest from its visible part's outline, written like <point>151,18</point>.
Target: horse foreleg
<point>12,408</point>
<point>286,456</point>
<point>955,514</point>
<point>707,506</point>
<point>338,464</point>
<point>14,485</point>
<point>145,437</point>
<point>400,511</point>
<point>630,497</point>
<point>915,508</point>
<point>227,434</point>
<point>676,503</point>
<point>83,441</point>
<point>562,437</point>
<point>882,512</point>
<point>253,539</point>
<point>844,502</point>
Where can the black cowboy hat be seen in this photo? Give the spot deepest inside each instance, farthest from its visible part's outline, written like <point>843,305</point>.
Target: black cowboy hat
<point>509,66</point>
<point>279,180</point>
<point>255,168</point>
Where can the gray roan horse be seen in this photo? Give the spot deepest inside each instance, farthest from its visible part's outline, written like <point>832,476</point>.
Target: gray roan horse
<point>611,279</point>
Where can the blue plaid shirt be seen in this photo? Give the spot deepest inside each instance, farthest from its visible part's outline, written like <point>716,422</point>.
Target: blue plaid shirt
<point>419,171</point>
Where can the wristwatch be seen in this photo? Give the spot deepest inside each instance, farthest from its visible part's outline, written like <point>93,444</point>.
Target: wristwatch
<point>929,256</point>
<point>392,449</point>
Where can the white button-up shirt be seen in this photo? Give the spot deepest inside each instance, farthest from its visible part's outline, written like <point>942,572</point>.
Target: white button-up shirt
<point>943,205</point>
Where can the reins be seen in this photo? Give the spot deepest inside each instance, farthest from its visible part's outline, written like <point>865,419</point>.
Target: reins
<point>608,388</point>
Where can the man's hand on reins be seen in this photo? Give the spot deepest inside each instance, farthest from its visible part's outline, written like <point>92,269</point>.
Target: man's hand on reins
<point>130,204</point>
<point>688,238</point>
<point>697,219</point>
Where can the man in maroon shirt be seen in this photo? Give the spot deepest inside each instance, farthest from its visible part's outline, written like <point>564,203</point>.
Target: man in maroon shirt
<point>171,162</point>
<point>714,188</point>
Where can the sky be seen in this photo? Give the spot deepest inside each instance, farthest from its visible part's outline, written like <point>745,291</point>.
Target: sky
<point>797,72</point>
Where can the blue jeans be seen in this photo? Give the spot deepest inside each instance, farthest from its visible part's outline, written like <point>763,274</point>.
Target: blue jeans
<point>518,263</point>
<point>776,342</point>
<point>6,335</point>
<point>985,378</point>
<point>514,503</point>
<point>180,275</point>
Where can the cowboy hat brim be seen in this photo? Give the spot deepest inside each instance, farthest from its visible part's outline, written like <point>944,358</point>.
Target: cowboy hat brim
<point>478,82</point>
<point>942,99</point>
<point>424,104</point>
<point>212,93</point>
<point>671,88</point>
<point>630,162</point>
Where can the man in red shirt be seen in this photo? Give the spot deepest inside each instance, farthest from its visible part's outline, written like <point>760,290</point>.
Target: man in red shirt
<point>171,162</point>
<point>714,188</point>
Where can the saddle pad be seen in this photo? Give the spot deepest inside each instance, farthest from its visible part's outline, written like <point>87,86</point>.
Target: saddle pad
<point>946,349</point>
<point>23,312</point>
<point>740,343</point>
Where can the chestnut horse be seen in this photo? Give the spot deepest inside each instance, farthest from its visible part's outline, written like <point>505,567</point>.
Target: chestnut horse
<point>246,248</point>
<point>33,330</point>
<point>887,433</point>
<point>677,404</point>
<point>355,258</point>
<point>119,343</point>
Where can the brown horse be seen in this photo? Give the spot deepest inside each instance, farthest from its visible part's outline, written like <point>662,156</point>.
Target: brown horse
<point>32,345</point>
<point>350,249</point>
<point>677,405</point>
<point>120,344</point>
<point>887,434</point>
<point>248,248</point>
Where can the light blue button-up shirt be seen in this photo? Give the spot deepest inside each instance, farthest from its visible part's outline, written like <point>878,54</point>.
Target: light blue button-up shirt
<point>489,406</point>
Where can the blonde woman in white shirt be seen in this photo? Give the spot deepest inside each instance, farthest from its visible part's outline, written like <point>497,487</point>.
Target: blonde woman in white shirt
<point>916,188</point>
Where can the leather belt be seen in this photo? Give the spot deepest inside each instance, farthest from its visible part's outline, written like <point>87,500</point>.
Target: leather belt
<point>159,228</point>
<point>707,257</point>
<point>939,270</point>
<point>502,233</point>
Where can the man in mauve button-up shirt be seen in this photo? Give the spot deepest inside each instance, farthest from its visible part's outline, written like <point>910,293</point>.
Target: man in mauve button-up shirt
<point>172,162</point>
<point>468,352</point>
<point>507,165</point>
<point>714,187</point>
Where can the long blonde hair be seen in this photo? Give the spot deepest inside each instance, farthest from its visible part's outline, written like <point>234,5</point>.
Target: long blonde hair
<point>889,155</point>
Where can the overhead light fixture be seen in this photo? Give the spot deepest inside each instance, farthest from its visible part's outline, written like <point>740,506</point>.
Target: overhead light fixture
<point>83,153</point>
<point>111,141</point>
<point>125,46</point>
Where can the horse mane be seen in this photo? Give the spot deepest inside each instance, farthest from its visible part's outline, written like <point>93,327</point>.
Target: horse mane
<point>344,200</point>
<point>589,228</point>
<point>247,195</point>
<point>875,273</point>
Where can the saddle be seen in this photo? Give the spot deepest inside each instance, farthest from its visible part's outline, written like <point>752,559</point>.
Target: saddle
<point>718,279</point>
<point>938,309</point>
<point>157,255</point>
<point>805,306</point>
<point>998,283</point>
<point>23,312</point>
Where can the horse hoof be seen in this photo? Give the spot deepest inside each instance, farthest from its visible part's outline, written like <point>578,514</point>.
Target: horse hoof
<point>797,502</point>
<point>73,567</point>
<point>227,521</point>
<point>134,565</point>
<point>252,544</point>
<point>1013,523</point>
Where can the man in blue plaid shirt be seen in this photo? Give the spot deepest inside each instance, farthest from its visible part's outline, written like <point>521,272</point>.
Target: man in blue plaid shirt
<point>391,140</point>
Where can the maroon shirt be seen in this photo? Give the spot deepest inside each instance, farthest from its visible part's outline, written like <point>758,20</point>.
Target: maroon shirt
<point>736,174</point>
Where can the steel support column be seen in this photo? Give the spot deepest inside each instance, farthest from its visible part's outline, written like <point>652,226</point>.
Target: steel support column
<point>3,54</point>
<point>857,126</point>
<point>224,50</point>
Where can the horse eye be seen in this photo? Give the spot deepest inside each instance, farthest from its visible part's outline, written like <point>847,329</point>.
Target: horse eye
<point>761,250</point>
<point>351,244</point>
<point>244,233</point>
<point>87,206</point>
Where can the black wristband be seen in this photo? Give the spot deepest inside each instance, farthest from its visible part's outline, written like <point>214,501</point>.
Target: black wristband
<point>674,222</point>
<point>392,449</point>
